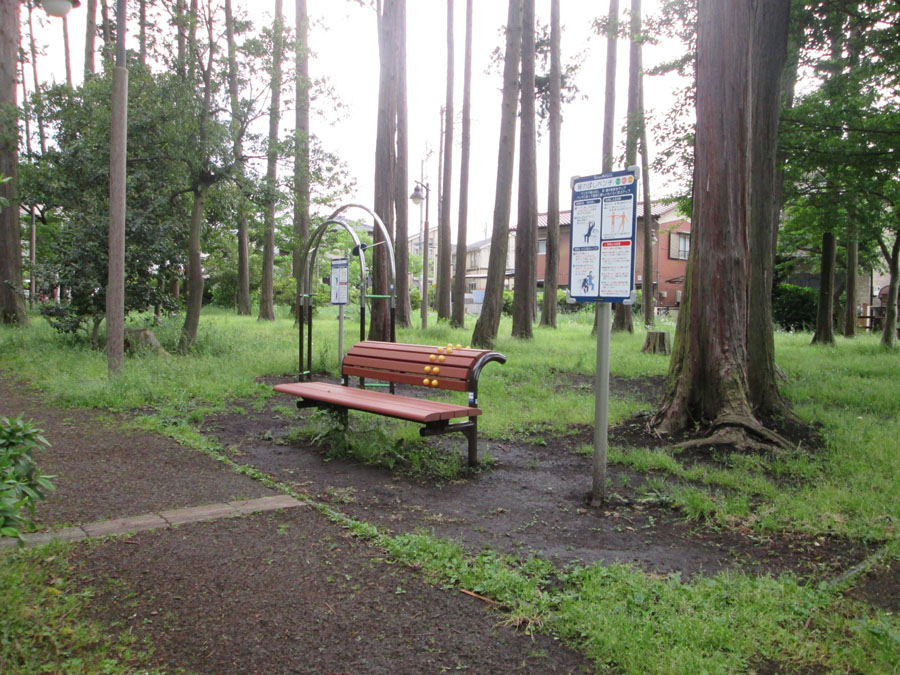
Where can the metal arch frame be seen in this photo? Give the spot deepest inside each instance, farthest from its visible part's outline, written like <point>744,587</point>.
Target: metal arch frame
<point>308,261</point>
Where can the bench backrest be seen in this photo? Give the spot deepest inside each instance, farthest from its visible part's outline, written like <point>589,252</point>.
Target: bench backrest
<point>448,367</point>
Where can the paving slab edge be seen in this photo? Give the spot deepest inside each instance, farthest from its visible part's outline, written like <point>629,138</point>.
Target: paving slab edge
<point>158,520</point>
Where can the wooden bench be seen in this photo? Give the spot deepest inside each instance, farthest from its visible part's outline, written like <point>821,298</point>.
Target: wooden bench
<point>453,368</point>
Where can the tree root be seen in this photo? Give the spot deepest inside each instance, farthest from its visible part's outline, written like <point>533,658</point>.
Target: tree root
<point>742,432</point>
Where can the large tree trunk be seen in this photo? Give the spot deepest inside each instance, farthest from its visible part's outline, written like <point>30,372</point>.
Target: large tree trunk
<point>443,268</point>
<point>459,279</point>
<point>825,308</point>
<point>892,257</point>
<point>68,53</point>
<point>90,35</point>
<point>708,381</point>
<point>385,164</point>
<point>301,150</point>
<point>551,258</point>
<point>12,301</point>
<point>489,321</point>
<point>651,231</point>
<point>142,30</point>
<point>850,291</point>
<point>609,105</point>
<point>237,127</point>
<point>266,290</point>
<point>194,302</point>
<point>623,320</point>
<point>401,199</point>
<point>181,41</point>
<point>526,232</point>
<point>768,58</point>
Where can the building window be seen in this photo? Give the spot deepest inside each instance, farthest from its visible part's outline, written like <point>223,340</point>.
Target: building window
<point>542,247</point>
<point>473,260</point>
<point>679,245</point>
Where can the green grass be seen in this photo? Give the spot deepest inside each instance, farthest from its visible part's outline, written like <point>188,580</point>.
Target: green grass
<point>623,618</point>
<point>42,624</point>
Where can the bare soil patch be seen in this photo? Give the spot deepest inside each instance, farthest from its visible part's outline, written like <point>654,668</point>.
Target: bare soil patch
<point>532,501</point>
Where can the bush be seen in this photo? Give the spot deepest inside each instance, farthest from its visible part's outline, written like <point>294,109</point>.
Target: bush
<point>507,303</point>
<point>794,307</point>
<point>21,486</point>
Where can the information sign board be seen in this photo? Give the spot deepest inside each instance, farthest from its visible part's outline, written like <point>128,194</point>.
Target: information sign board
<point>601,255</point>
<point>340,282</point>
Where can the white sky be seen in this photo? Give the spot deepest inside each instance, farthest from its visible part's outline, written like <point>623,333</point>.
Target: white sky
<point>344,44</point>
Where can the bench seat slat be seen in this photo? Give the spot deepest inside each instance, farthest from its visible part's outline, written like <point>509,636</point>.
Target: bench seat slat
<point>403,378</point>
<point>450,360</point>
<point>409,367</point>
<point>391,405</point>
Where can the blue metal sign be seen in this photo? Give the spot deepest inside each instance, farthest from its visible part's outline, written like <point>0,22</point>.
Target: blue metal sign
<point>601,253</point>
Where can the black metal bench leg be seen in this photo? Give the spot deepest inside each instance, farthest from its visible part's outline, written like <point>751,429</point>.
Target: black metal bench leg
<point>472,437</point>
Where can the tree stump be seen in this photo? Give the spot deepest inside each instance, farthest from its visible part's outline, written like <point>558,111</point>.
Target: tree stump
<point>657,342</point>
<point>143,339</point>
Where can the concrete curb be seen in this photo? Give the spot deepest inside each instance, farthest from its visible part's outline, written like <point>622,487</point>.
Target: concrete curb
<point>153,521</point>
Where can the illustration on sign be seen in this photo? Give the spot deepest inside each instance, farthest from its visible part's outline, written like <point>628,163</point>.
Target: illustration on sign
<point>603,231</point>
<point>340,284</point>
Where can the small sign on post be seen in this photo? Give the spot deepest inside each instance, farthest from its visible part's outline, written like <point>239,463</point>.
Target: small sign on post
<point>340,296</point>
<point>601,269</point>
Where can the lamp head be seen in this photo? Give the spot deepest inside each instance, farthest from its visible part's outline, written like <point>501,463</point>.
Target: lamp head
<point>417,197</point>
<point>59,7</point>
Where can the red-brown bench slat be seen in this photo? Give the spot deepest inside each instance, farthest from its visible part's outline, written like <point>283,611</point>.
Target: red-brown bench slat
<point>411,367</point>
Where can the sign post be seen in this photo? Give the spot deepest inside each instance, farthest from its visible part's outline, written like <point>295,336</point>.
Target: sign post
<point>340,295</point>
<point>601,269</point>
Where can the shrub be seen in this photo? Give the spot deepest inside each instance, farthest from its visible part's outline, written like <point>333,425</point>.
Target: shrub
<point>507,303</point>
<point>794,307</point>
<point>21,486</point>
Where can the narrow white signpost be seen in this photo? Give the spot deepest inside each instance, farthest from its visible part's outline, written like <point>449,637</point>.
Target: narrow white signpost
<point>340,295</point>
<point>601,269</point>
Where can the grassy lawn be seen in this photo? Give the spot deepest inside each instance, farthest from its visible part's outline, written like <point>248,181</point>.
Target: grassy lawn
<point>622,617</point>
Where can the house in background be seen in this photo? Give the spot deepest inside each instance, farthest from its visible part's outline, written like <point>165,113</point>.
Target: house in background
<point>670,260</point>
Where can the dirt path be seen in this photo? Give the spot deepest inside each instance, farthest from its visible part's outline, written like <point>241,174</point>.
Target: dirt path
<point>277,592</point>
<point>532,501</point>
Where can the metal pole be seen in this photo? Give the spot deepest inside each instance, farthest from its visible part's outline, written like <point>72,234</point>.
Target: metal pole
<point>601,405</point>
<point>341,329</point>
<point>425,262</point>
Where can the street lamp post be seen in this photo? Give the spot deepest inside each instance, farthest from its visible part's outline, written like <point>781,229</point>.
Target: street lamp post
<point>417,198</point>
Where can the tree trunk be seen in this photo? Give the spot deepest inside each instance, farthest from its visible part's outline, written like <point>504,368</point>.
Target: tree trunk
<point>708,381</point>
<point>892,257</point>
<point>489,320</point>
<point>301,143</point>
<point>68,53</point>
<point>107,52</point>
<point>825,308</point>
<point>266,290</point>
<point>526,232</point>
<point>609,104</point>
<point>12,301</point>
<point>90,35</point>
<point>459,279</point>
<point>194,301</point>
<point>142,30</point>
<point>237,126</point>
<point>38,100</point>
<point>648,301</point>
<point>551,258</point>
<point>850,291</point>
<point>443,271</point>
<point>385,164</point>
<point>401,198</point>
<point>768,58</point>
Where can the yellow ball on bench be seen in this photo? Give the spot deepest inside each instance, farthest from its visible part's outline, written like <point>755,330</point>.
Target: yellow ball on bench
<point>434,383</point>
<point>435,370</point>
<point>426,382</point>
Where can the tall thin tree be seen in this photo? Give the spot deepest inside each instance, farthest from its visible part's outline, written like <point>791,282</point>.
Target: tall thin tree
<point>385,164</point>
<point>443,269</point>
<point>90,36</point>
<point>489,321</point>
<point>526,229</point>
<point>551,258</point>
<point>401,183</point>
<point>301,143</point>
<point>12,301</point>
<point>459,279</point>
<point>238,124</point>
<point>267,285</point>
